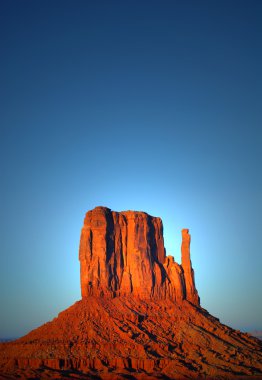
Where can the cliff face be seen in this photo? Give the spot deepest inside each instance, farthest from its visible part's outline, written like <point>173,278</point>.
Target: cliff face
<point>123,253</point>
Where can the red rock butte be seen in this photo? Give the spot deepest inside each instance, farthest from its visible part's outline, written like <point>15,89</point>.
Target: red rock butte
<point>139,317</point>
<point>123,253</point>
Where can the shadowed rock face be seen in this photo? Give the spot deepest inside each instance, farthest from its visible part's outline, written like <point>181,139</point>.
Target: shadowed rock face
<point>123,253</point>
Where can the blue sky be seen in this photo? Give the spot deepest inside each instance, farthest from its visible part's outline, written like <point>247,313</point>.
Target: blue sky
<point>145,105</point>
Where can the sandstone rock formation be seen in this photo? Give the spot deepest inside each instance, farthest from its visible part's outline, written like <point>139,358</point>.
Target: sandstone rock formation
<point>190,289</point>
<point>123,253</point>
<point>139,317</point>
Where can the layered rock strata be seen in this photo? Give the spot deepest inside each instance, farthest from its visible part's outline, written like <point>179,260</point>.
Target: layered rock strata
<point>123,253</point>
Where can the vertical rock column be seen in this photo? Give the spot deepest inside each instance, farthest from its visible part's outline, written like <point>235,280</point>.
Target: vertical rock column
<point>191,292</point>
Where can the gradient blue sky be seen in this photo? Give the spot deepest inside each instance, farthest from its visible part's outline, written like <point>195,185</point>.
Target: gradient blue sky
<point>145,105</point>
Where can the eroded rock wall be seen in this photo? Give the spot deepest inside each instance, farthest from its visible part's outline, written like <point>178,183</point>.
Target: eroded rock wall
<point>123,253</point>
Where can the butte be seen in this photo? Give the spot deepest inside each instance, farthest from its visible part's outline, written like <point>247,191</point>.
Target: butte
<point>139,317</point>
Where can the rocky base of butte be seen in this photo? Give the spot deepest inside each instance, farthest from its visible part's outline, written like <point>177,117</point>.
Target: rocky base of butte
<point>139,317</point>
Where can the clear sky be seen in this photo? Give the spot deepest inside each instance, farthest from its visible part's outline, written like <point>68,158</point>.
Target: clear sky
<point>143,105</point>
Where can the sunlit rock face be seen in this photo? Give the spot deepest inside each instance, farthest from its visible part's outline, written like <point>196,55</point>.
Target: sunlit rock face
<point>190,288</point>
<point>123,253</point>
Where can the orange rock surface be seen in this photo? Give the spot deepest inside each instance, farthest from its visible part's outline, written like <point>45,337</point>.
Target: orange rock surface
<point>123,253</point>
<point>191,292</point>
<point>139,317</point>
